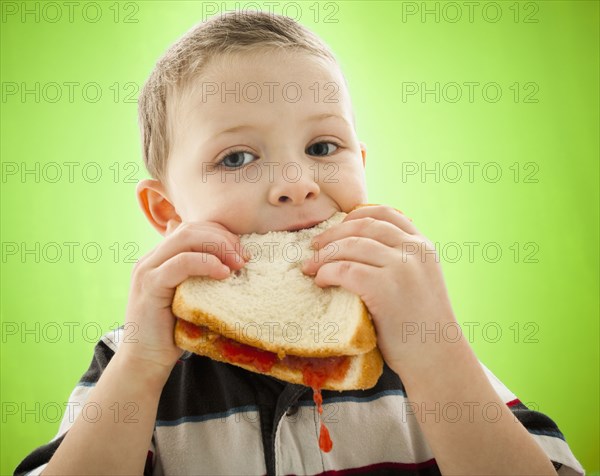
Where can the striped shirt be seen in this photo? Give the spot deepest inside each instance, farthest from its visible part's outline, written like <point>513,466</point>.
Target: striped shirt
<point>219,419</point>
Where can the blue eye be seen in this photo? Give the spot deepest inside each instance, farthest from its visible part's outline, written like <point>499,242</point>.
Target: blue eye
<point>238,159</point>
<point>320,148</point>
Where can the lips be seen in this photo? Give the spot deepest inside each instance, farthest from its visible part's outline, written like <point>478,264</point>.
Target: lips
<point>304,225</point>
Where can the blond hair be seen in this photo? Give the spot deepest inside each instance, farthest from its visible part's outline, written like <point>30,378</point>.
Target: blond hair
<point>228,32</point>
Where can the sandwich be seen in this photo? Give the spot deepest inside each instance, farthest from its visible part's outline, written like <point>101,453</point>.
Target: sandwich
<point>271,318</point>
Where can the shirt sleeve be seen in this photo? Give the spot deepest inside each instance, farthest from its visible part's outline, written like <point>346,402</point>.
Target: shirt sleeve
<point>35,462</point>
<point>541,427</point>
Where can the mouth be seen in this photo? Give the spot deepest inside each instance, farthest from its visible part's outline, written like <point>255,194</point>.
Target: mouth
<point>304,226</point>
<point>307,225</point>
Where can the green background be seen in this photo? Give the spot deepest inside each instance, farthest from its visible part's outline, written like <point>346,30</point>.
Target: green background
<point>550,130</point>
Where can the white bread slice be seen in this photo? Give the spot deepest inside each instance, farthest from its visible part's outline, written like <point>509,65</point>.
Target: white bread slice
<point>272,305</point>
<point>363,372</point>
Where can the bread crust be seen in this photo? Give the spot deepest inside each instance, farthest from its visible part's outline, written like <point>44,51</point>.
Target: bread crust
<point>363,373</point>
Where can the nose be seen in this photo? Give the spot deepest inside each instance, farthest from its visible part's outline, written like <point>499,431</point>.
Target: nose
<point>293,184</point>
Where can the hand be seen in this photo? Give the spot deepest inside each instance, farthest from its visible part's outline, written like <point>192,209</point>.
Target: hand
<point>192,249</point>
<point>377,253</point>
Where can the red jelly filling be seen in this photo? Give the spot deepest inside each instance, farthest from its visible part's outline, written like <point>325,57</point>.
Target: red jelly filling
<point>317,370</point>
<point>192,330</point>
<point>233,351</point>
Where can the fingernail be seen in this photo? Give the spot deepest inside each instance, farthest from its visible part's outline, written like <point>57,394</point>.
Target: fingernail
<point>305,268</point>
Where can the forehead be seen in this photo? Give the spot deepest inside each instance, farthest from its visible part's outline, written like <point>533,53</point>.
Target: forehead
<point>270,64</point>
<point>243,81</point>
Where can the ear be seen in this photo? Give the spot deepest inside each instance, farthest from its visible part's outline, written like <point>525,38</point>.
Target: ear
<point>363,151</point>
<point>157,207</point>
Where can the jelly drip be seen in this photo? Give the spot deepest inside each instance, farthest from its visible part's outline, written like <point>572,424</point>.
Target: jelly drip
<point>325,442</point>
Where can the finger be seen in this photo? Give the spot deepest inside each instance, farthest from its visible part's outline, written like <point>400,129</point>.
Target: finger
<point>367,227</point>
<point>385,213</point>
<point>162,281</point>
<point>347,274</point>
<point>157,256</point>
<point>353,248</point>
<point>199,238</point>
<point>177,228</point>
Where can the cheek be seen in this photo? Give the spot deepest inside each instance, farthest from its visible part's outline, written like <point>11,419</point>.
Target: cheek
<point>238,214</point>
<point>348,185</point>
<point>239,222</point>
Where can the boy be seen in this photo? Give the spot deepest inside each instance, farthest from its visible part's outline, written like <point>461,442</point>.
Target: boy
<point>247,126</point>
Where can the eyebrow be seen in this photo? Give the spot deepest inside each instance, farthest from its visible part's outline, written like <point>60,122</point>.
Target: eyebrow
<point>316,117</point>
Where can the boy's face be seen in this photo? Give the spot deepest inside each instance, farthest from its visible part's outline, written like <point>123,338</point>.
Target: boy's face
<point>261,112</point>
